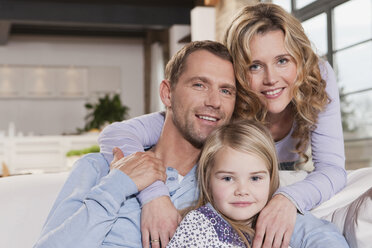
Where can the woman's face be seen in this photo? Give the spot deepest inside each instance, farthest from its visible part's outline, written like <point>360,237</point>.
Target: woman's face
<point>273,70</point>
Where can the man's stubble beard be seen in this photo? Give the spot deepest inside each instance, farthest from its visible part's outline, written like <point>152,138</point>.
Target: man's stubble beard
<point>187,129</point>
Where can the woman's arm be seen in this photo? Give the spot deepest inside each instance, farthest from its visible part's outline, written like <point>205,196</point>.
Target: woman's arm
<point>132,136</point>
<point>327,145</point>
<point>87,206</point>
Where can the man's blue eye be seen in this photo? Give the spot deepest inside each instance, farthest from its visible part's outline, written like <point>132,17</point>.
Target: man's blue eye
<point>254,67</point>
<point>225,91</point>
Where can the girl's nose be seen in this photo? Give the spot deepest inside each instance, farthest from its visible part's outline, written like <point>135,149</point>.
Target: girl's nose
<point>242,189</point>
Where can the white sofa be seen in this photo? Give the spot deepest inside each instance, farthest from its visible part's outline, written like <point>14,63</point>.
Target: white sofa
<point>26,201</point>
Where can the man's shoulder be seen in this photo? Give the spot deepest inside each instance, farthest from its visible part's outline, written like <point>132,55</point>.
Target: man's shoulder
<point>91,163</point>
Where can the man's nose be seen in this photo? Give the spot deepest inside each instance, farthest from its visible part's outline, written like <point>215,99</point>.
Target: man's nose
<point>213,98</point>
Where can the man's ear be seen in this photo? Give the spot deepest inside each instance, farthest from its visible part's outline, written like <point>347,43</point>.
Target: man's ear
<point>165,93</point>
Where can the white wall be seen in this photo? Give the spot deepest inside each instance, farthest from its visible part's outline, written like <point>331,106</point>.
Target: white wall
<point>203,23</point>
<point>56,116</point>
<point>157,75</point>
<point>176,33</point>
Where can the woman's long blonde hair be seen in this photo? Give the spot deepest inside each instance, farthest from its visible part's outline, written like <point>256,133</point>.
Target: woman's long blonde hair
<point>245,136</point>
<point>309,95</point>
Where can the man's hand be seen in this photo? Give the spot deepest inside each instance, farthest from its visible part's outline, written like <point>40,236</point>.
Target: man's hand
<point>275,223</point>
<point>159,221</point>
<point>142,167</point>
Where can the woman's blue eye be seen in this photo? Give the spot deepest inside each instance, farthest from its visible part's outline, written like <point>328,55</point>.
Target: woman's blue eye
<point>283,61</point>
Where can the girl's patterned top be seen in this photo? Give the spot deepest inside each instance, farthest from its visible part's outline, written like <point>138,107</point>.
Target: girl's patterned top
<point>204,227</point>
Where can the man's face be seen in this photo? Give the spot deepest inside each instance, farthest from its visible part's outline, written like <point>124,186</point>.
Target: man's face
<point>204,96</point>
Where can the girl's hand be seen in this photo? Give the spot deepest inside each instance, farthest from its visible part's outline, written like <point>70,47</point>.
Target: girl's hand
<point>159,221</point>
<point>275,223</point>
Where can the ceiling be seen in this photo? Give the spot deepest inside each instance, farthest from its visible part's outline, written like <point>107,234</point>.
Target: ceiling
<point>123,18</point>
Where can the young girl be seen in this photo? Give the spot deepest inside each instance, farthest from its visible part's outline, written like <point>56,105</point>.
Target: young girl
<point>237,175</point>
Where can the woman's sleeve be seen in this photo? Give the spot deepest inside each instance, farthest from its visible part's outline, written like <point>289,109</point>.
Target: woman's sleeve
<point>328,155</point>
<point>87,206</point>
<point>132,136</point>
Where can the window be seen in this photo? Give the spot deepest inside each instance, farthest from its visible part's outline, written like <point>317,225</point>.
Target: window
<point>285,4</point>
<point>318,34</point>
<point>341,30</point>
<point>302,3</point>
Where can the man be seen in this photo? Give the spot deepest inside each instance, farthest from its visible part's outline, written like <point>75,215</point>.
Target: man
<point>97,206</point>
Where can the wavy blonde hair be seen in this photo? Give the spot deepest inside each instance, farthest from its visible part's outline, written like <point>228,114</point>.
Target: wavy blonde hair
<point>309,95</point>
<point>245,136</point>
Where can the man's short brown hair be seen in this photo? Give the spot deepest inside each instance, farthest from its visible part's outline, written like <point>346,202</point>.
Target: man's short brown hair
<point>177,64</point>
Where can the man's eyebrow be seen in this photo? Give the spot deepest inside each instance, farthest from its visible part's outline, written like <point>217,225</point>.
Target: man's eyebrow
<point>230,86</point>
<point>200,78</point>
<point>206,80</point>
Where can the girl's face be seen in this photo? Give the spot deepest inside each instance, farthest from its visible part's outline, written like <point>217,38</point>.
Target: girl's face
<point>239,183</point>
<point>273,70</point>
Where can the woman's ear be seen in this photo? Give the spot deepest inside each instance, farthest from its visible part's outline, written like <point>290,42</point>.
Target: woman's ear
<point>165,93</point>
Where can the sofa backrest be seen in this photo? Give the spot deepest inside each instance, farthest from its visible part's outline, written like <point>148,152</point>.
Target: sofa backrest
<point>25,202</point>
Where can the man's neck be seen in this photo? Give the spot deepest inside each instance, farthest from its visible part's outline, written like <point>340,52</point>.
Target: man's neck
<point>174,150</point>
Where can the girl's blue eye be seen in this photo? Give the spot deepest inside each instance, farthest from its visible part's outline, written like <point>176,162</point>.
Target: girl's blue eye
<point>255,178</point>
<point>227,179</point>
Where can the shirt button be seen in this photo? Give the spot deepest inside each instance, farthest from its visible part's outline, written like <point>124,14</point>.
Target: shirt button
<point>169,168</point>
<point>171,178</point>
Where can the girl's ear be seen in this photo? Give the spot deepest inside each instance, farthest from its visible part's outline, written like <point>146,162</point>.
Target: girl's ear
<point>165,93</point>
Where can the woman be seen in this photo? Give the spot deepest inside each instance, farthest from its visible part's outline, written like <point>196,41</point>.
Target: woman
<point>300,105</point>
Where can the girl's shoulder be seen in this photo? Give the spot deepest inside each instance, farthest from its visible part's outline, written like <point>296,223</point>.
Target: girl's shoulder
<point>225,233</point>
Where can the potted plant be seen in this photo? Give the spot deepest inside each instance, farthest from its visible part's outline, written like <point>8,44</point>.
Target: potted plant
<point>106,110</point>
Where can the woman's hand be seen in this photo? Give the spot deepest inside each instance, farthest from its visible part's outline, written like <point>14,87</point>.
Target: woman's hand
<point>275,223</point>
<point>142,167</point>
<point>159,221</point>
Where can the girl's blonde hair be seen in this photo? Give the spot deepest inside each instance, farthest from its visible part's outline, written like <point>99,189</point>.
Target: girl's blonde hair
<point>309,95</point>
<point>245,136</point>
